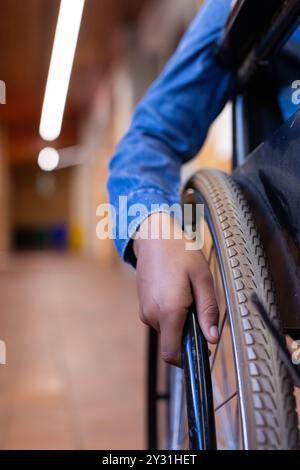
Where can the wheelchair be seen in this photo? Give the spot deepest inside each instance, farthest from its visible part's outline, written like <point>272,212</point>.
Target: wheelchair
<point>240,395</point>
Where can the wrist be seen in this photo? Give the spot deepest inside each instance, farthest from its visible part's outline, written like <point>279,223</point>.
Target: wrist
<point>158,226</point>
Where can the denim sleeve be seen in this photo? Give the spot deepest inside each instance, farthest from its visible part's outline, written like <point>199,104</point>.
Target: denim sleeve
<point>169,126</point>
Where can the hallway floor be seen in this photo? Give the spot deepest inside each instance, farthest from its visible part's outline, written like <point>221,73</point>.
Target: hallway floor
<point>75,355</point>
<point>74,377</point>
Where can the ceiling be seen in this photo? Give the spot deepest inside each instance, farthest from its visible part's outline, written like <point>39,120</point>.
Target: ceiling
<point>26,37</point>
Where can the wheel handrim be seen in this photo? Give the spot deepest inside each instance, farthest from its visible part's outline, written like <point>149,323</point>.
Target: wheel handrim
<point>228,418</point>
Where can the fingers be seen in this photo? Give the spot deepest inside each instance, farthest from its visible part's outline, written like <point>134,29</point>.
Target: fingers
<point>164,299</point>
<point>206,304</point>
<point>171,336</point>
<point>169,323</point>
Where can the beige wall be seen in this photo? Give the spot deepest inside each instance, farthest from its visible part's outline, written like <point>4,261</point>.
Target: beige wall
<point>4,194</point>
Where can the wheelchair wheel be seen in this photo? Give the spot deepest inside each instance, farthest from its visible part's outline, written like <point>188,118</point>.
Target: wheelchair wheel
<point>253,397</point>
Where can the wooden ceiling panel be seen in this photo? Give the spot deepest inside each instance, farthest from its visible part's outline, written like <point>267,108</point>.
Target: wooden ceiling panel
<point>27,30</point>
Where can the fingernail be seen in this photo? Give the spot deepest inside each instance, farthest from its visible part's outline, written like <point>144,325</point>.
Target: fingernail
<point>214,332</point>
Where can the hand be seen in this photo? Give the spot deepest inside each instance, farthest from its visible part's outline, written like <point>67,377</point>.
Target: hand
<point>169,279</point>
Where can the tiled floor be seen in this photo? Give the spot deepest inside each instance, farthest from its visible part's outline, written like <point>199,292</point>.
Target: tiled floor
<point>75,355</point>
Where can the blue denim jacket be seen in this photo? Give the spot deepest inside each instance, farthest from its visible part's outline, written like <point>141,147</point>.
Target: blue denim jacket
<point>171,122</point>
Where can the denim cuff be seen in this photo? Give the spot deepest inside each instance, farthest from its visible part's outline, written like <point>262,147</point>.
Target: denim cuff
<point>140,205</point>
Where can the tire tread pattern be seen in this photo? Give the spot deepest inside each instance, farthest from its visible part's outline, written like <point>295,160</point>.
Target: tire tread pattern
<point>272,400</point>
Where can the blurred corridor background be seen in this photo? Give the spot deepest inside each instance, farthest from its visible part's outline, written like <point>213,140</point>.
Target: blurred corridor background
<point>75,348</point>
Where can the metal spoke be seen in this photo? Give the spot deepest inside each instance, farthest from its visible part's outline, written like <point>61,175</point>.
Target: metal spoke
<point>237,422</point>
<point>218,344</point>
<point>219,397</point>
<point>226,379</point>
<point>226,401</point>
<point>228,420</point>
<point>211,251</point>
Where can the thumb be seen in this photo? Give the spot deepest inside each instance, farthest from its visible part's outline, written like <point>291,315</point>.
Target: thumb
<point>206,305</point>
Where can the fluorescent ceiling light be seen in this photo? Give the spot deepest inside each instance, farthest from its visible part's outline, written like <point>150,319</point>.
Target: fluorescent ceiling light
<point>62,58</point>
<point>48,159</point>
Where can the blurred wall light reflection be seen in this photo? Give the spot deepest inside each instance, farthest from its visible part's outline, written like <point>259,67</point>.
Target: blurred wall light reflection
<point>48,159</point>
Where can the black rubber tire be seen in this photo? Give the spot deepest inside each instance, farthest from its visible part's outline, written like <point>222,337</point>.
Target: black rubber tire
<point>267,401</point>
